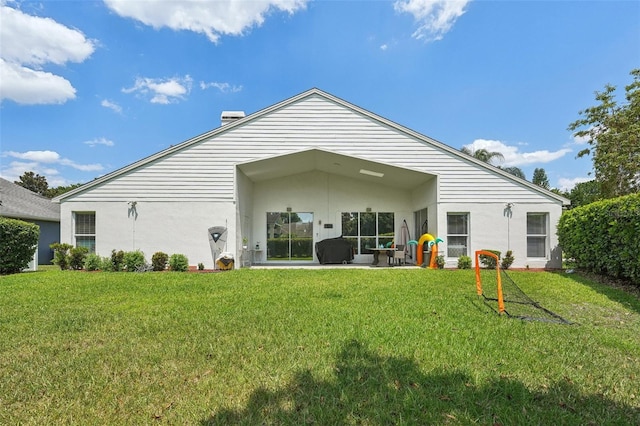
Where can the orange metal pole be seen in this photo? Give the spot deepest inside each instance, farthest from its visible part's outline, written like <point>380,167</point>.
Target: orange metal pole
<point>500,296</point>
<point>478,282</point>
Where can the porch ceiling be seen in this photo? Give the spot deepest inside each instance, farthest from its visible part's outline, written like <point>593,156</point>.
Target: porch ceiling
<point>332,163</point>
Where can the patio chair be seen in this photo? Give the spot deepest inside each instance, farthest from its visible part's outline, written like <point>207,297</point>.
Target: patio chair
<point>397,256</point>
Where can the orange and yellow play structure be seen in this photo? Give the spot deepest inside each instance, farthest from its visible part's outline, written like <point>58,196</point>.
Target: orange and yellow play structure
<point>432,242</point>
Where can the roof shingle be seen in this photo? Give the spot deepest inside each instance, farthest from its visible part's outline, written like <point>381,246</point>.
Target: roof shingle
<point>20,203</point>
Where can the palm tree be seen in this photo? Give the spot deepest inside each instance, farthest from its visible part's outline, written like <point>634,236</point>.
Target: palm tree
<point>483,154</point>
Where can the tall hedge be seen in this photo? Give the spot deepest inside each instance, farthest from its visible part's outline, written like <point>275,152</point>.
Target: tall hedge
<point>18,243</point>
<point>604,237</point>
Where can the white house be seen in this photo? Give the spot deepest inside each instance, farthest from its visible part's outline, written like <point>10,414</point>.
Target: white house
<point>306,169</point>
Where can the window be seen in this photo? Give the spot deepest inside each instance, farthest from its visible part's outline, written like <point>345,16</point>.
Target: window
<point>457,234</point>
<point>85,230</point>
<point>537,234</point>
<point>365,230</point>
<point>289,236</point>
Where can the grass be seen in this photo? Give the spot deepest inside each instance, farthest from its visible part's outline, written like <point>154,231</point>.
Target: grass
<point>369,347</point>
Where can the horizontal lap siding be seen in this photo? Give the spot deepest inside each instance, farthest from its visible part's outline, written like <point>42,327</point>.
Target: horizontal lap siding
<point>204,170</point>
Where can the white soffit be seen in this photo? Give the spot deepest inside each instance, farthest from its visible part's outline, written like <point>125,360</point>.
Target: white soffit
<point>333,163</point>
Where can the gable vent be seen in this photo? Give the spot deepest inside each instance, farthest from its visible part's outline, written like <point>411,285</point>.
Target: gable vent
<point>230,116</point>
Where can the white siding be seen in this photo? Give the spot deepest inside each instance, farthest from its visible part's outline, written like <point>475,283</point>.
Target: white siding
<point>203,169</point>
<point>171,227</point>
<point>183,190</point>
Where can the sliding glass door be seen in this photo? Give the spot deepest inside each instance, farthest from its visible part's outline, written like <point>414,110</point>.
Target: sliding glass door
<point>289,236</point>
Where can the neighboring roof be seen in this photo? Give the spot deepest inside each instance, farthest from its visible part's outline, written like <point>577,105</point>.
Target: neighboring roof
<point>20,203</point>
<point>292,100</point>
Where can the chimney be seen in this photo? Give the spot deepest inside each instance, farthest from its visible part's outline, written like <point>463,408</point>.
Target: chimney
<point>230,116</point>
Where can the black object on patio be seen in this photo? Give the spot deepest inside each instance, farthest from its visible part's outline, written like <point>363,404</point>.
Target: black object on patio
<point>334,250</point>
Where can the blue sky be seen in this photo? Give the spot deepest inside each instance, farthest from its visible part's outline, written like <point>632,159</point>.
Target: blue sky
<point>88,87</point>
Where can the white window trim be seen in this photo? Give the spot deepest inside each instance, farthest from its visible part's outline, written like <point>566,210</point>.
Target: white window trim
<point>76,234</point>
<point>467,235</point>
<point>545,235</point>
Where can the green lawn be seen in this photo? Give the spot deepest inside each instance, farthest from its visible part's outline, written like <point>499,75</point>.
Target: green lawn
<point>334,346</point>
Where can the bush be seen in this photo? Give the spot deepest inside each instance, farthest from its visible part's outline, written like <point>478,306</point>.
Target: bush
<point>106,264</point>
<point>488,261</point>
<point>61,254</point>
<point>117,260</point>
<point>159,261</point>
<point>178,262</point>
<point>133,260</point>
<point>18,243</point>
<point>93,262</point>
<point>440,261</point>
<point>200,266</point>
<point>464,262</point>
<point>602,237</point>
<point>507,260</point>
<point>77,256</point>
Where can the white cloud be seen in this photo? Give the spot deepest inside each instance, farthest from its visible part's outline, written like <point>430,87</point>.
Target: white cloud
<point>30,42</point>
<point>82,167</point>
<point>222,87</point>
<point>111,105</point>
<point>36,159</point>
<point>99,141</point>
<point>565,184</point>
<point>29,87</point>
<point>384,47</point>
<point>162,91</point>
<point>435,17</point>
<point>15,169</point>
<point>211,18</point>
<point>513,156</point>
<point>581,140</point>
<point>36,156</point>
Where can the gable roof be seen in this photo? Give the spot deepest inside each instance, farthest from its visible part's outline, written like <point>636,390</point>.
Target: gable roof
<point>20,203</point>
<point>314,92</point>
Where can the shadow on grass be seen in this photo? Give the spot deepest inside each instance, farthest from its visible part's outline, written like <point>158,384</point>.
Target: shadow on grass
<point>616,291</point>
<point>373,389</point>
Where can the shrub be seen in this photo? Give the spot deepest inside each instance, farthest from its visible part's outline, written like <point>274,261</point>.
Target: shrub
<point>117,260</point>
<point>440,261</point>
<point>488,261</point>
<point>18,243</point>
<point>106,264</point>
<point>464,262</point>
<point>507,260</point>
<point>61,254</point>
<point>602,237</point>
<point>93,262</point>
<point>178,262</point>
<point>159,261</point>
<point>77,256</point>
<point>133,260</point>
<point>200,266</point>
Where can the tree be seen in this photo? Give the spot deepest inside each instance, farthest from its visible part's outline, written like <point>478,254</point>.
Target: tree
<point>584,193</point>
<point>540,178</point>
<point>59,190</point>
<point>516,171</point>
<point>483,155</point>
<point>34,182</point>
<point>38,184</point>
<point>612,131</point>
